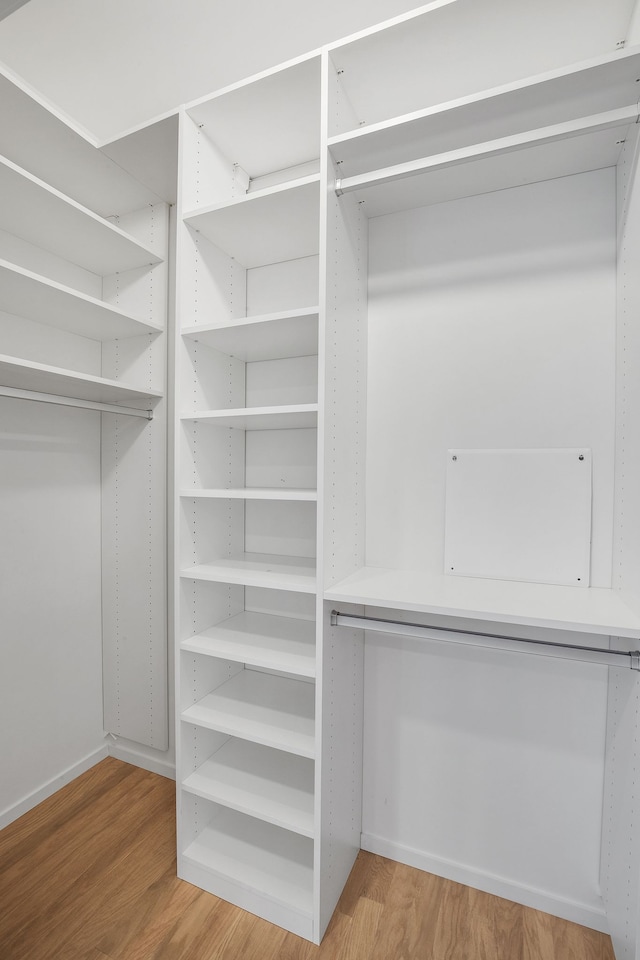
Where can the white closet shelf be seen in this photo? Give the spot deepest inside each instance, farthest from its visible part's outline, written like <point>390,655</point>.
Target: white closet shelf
<point>269,226</point>
<point>289,417</point>
<point>297,574</point>
<point>36,212</point>
<point>593,86</point>
<point>42,378</point>
<point>243,118</point>
<point>253,493</point>
<point>589,610</point>
<point>273,786</point>
<point>263,708</point>
<point>29,295</point>
<point>260,640</point>
<point>257,857</point>
<point>273,336</point>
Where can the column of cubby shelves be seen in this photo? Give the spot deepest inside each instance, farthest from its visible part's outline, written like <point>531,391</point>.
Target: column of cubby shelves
<point>246,488</point>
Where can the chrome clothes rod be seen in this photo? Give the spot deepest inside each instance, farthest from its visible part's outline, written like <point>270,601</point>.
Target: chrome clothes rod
<point>73,402</point>
<point>541,648</point>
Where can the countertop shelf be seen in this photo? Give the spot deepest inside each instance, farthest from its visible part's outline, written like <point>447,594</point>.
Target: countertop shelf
<point>589,610</point>
<point>43,378</point>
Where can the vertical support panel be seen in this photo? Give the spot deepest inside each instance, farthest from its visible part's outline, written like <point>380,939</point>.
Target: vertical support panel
<point>620,837</point>
<point>134,510</point>
<point>342,395</point>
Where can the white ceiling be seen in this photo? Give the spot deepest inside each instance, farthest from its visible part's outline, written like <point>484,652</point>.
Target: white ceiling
<point>114,64</point>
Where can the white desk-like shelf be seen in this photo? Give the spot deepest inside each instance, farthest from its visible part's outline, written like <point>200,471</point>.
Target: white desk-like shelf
<point>297,574</point>
<point>274,786</point>
<point>268,226</point>
<point>42,378</point>
<point>288,417</point>
<point>29,295</point>
<point>293,333</point>
<point>260,640</point>
<point>589,610</point>
<point>270,710</point>
<point>33,210</point>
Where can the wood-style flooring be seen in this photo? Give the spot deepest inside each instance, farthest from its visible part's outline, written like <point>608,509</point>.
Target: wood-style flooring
<point>90,875</point>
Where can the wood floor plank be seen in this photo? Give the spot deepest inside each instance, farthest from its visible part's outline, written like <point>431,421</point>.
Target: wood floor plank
<point>90,875</point>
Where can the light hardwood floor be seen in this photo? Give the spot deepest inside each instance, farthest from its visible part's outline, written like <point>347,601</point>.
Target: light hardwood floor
<point>90,875</point>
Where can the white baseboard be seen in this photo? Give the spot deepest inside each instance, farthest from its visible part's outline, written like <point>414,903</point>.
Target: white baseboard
<point>51,786</point>
<point>576,912</point>
<point>129,754</point>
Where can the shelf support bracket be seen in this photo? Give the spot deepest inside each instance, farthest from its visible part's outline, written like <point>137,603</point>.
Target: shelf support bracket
<point>74,402</point>
<point>541,648</point>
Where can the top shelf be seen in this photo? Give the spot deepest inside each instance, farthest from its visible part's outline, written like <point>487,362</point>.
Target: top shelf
<point>269,122</point>
<point>592,610</point>
<point>38,213</point>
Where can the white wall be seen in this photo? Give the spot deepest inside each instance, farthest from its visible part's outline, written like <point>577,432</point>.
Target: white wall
<point>491,324</point>
<point>50,626</point>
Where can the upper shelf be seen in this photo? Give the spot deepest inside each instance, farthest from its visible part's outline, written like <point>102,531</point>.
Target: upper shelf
<point>26,294</point>
<point>593,610</point>
<point>273,336</point>
<point>268,122</point>
<point>299,416</point>
<point>43,378</point>
<point>269,226</point>
<point>579,90</point>
<point>36,212</point>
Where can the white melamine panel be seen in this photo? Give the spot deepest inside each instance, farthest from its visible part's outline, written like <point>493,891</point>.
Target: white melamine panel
<point>564,94</point>
<point>598,611</point>
<point>298,416</point>
<point>253,493</point>
<point>283,286</point>
<point>291,380</point>
<point>42,378</point>
<point>267,784</point>
<point>50,597</point>
<point>487,768</point>
<point>44,263</point>
<point>26,294</point>
<point>259,570</point>
<point>278,223</point>
<point>213,284</point>
<point>491,325</point>
<point>268,123</point>
<point>47,345</point>
<point>259,857</point>
<point>42,215</point>
<point>278,527</point>
<point>281,458</point>
<point>269,710</point>
<point>293,333</point>
<point>210,379</point>
<point>459,48</point>
<point>260,640</point>
<point>519,515</point>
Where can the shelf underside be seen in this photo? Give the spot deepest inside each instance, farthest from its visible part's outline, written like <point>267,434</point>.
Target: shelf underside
<point>297,574</point>
<point>269,226</point>
<point>43,216</point>
<point>471,175</point>
<point>273,786</point>
<point>293,417</point>
<point>260,640</point>
<point>41,378</point>
<point>269,337</point>
<point>26,294</point>
<point>589,610</point>
<point>265,709</point>
<point>274,863</point>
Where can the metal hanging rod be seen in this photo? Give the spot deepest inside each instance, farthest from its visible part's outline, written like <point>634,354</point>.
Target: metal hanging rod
<point>73,402</point>
<point>541,648</point>
<point>492,148</point>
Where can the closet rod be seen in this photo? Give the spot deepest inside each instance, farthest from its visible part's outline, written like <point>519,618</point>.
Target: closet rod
<point>73,402</point>
<point>541,648</point>
<point>492,148</point>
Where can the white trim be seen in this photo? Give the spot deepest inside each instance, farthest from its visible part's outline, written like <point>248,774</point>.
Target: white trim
<point>544,900</point>
<point>129,754</point>
<point>52,786</point>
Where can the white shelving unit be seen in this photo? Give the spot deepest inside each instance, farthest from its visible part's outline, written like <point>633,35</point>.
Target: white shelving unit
<point>442,237</point>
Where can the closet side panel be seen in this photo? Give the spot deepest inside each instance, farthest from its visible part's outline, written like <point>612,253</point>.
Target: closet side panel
<point>134,510</point>
<point>620,840</point>
<point>50,634</point>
